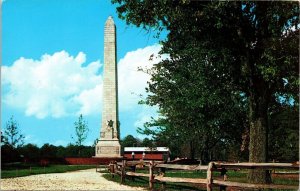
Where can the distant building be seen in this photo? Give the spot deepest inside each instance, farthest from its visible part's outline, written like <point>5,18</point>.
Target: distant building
<point>147,153</point>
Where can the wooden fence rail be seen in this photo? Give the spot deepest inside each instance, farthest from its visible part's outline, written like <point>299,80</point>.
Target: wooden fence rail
<point>209,181</point>
<point>265,166</point>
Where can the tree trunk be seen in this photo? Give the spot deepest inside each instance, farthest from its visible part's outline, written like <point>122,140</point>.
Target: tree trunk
<point>258,146</point>
<point>205,153</point>
<point>192,150</point>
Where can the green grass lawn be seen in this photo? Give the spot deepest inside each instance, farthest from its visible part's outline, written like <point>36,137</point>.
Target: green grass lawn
<point>144,182</point>
<point>236,176</point>
<point>26,170</point>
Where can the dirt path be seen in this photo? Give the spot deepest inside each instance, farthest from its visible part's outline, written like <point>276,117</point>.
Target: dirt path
<point>78,180</point>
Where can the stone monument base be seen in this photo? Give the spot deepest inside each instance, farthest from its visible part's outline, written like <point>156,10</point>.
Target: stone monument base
<point>108,148</point>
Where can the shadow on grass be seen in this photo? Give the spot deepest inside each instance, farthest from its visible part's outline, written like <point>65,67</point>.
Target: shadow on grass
<point>235,176</point>
<point>144,182</point>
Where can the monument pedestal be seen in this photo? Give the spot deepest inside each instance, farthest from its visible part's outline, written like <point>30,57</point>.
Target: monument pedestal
<point>108,148</point>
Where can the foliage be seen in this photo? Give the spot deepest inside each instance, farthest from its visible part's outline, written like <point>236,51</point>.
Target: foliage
<point>284,122</point>
<point>12,135</point>
<point>163,135</point>
<point>78,151</point>
<point>146,142</point>
<point>48,151</point>
<point>130,141</point>
<point>9,154</point>
<point>30,152</point>
<point>81,131</point>
<point>33,154</point>
<point>2,138</point>
<point>221,54</point>
<point>60,152</point>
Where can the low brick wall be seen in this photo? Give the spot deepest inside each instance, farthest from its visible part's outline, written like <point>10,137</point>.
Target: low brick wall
<point>90,161</point>
<point>152,156</point>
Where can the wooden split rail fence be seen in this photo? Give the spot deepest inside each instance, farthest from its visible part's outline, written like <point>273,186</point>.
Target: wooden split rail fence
<point>128,169</point>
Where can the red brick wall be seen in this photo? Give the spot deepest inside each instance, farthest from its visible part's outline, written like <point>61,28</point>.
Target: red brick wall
<point>148,156</point>
<point>89,161</point>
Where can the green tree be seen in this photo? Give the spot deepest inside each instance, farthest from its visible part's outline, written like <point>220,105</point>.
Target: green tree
<point>61,152</point>
<point>130,141</point>
<point>9,154</point>
<point>164,135</point>
<point>31,152</point>
<point>12,135</point>
<point>284,122</point>
<point>87,151</point>
<point>2,139</point>
<point>81,131</point>
<point>251,49</point>
<point>146,142</point>
<point>72,151</point>
<point>48,151</point>
<point>195,110</point>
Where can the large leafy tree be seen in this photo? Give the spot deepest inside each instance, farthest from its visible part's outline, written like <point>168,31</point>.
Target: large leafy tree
<point>251,47</point>
<point>195,108</point>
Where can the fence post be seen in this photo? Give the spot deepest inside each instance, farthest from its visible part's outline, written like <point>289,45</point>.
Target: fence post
<point>224,176</point>
<point>163,172</point>
<point>112,169</point>
<point>151,178</point>
<point>123,173</point>
<point>115,167</point>
<point>209,176</point>
<point>133,168</point>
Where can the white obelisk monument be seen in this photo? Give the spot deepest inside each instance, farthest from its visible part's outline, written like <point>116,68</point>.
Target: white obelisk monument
<point>109,144</point>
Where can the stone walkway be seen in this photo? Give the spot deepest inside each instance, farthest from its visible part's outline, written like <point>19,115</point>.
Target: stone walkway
<point>77,180</point>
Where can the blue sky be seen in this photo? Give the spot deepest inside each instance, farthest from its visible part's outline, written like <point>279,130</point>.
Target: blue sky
<point>52,62</point>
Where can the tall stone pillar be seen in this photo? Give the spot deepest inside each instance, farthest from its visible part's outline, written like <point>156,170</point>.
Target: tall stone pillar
<point>109,145</point>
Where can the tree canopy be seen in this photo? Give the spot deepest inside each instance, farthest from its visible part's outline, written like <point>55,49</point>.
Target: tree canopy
<point>229,62</point>
<point>130,141</point>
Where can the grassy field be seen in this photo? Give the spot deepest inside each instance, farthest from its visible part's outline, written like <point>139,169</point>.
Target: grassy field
<point>17,170</point>
<point>144,182</point>
<point>238,176</point>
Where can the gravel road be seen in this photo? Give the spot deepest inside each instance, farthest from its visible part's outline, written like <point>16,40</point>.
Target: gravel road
<point>77,180</point>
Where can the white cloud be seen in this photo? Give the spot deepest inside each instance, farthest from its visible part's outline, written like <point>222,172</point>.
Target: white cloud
<point>143,119</point>
<point>91,100</point>
<point>144,116</point>
<point>59,85</point>
<point>132,82</point>
<point>56,85</point>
